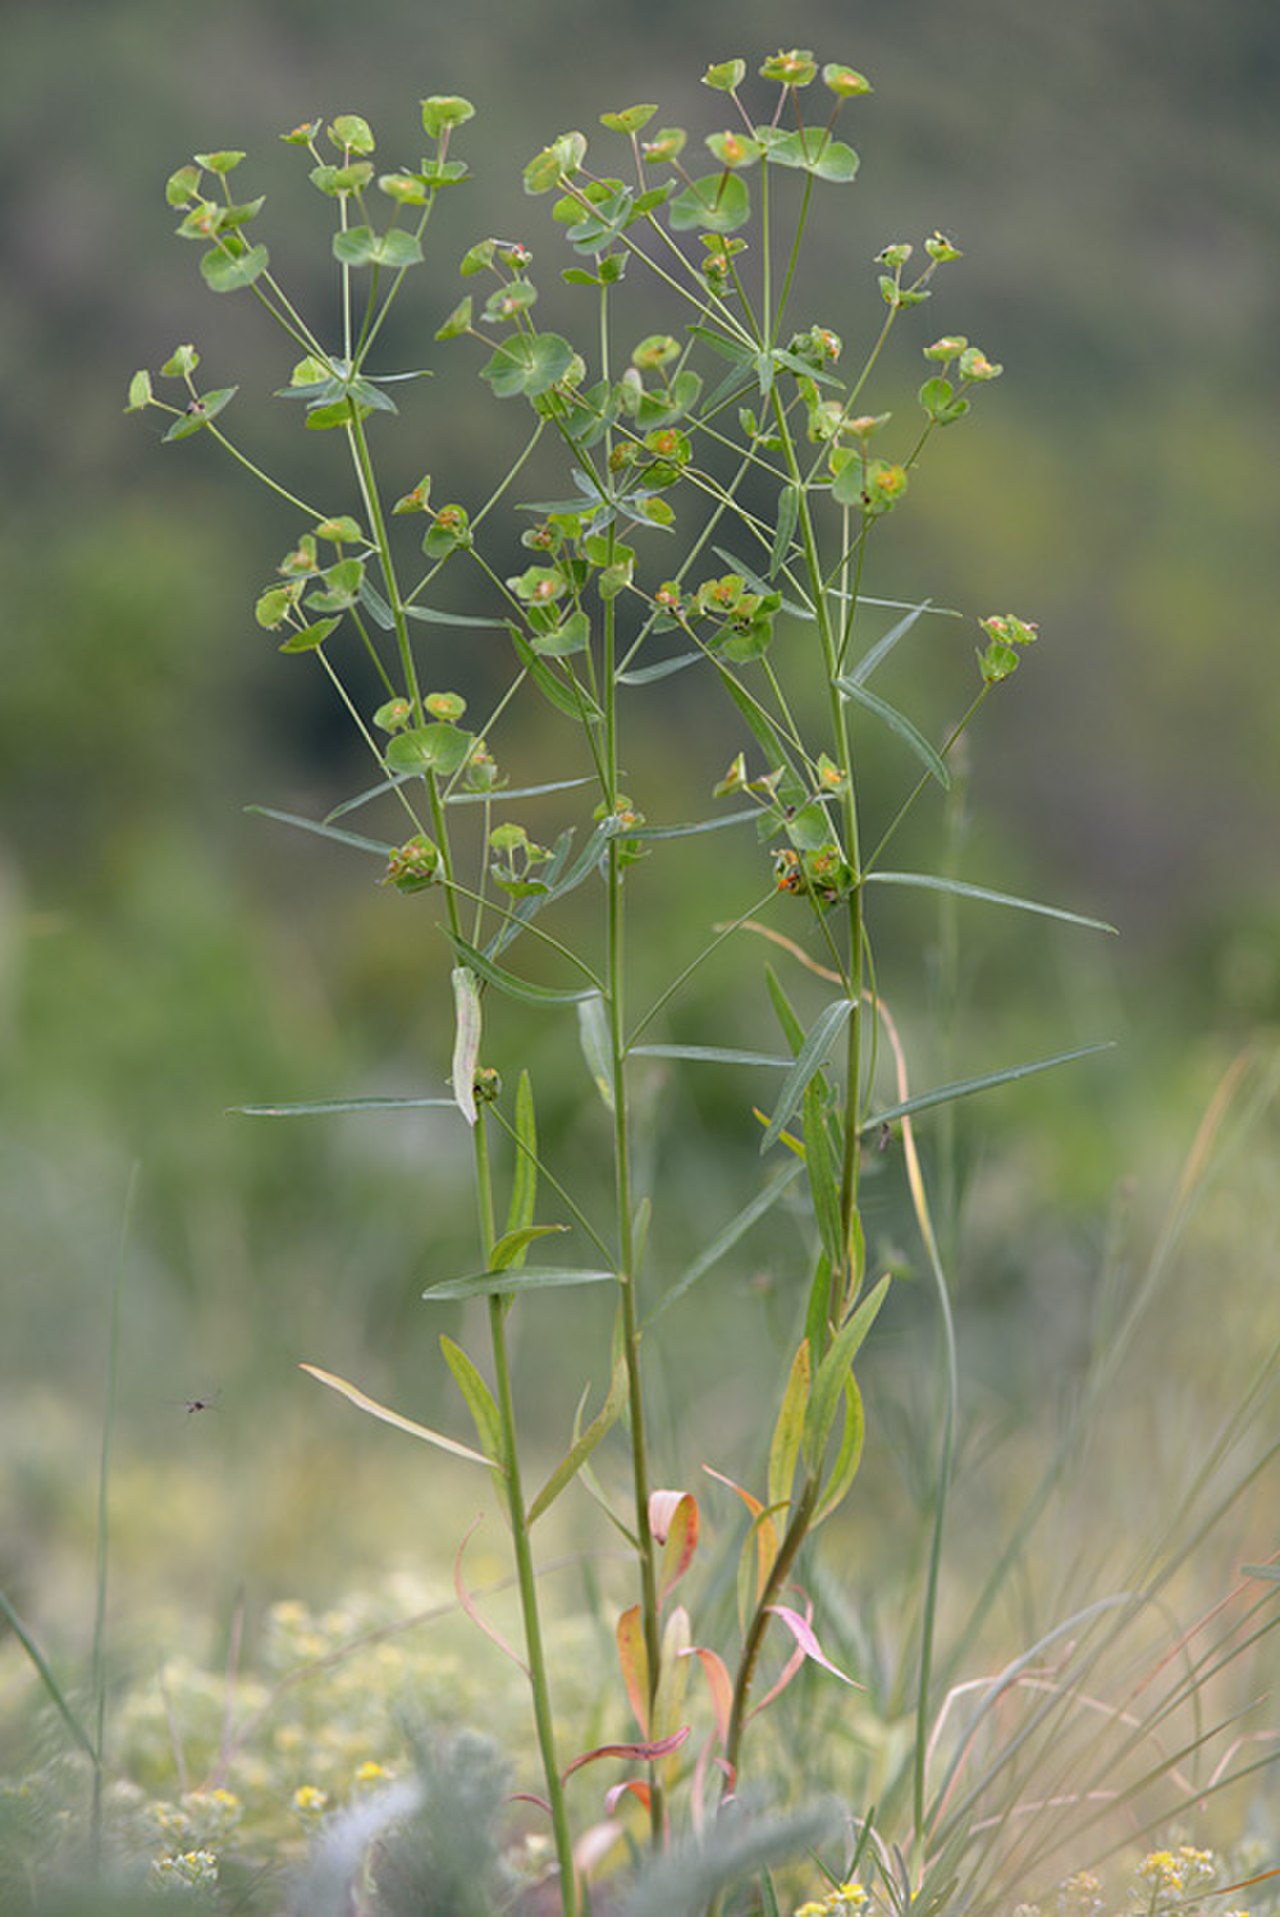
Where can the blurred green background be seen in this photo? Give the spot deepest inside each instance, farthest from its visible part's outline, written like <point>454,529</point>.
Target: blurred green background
<point>1110,172</point>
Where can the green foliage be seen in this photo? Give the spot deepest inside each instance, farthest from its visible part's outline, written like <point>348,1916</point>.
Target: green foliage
<point>655,490</point>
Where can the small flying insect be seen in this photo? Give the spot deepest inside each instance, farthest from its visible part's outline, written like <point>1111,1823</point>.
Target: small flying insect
<point>192,1405</point>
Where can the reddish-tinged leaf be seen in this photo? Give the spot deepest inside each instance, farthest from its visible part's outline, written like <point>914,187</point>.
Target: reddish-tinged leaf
<point>530,1797</point>
<point>673,1673</point>
<point>681,1543</point>
<point>634,1659</point>
<point>802,1632</point>
<point>636,1786</point>
<point>720,1685</point>
<point>645,1753</point>
<point>764,1527</point>
<point>469,1605</point>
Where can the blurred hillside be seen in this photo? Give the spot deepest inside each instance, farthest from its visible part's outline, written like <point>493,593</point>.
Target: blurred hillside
<point>1110,172</point>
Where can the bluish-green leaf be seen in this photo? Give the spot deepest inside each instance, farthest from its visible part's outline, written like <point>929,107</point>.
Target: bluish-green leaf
<point>712,1055</point>
<point>514,987</point>
<point>930,881</point>
<point>700,825</point>
<point>327,1107</point>
<point>829,1383</point>
<point>872,658</point>
<point>524,1175</point>
<point>595,1039</point>
<point>493,1284</point>
<point>898,723</point>
<point>826,1028</point>
<point>965,1087</point>
<point>377,846</point>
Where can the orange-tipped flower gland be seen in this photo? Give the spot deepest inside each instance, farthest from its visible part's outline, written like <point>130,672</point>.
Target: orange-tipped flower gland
<point>887,484</point>
<point>448,706</point>
<point>393,715</point>
<point>413,866</point>
<point>788,871</point>
<point>795,68</point>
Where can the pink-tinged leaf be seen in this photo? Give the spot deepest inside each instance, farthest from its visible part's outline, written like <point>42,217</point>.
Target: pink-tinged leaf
<point>636,1786</point>
<point>634,1659</point>
<point>681,1543</point>
<point>647,1753</point>
<point>720,1685</point>
<point>469,1605</point>
<point>530,1797</point>
<point>662,1508</point>
<point>802,1632</point>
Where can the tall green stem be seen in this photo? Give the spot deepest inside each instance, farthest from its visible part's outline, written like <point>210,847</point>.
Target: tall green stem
<point>526,1576</point>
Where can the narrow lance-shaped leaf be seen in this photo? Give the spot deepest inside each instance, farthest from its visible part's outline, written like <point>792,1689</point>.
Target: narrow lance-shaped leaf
<point>479,1402</point>
<point>524,1176</point>
<point>363,1402</point>
<point>646,1753</point>
<point>584,1444</point>
<point>898,723</point>
<point>785,1446</point>
<point>719,1683</point>
<point>848,1457</point>
<point>826,1028</point>
<point>933,882</point>
<point>965,1087</point>
<point>802,1631</point>
<point>883,646</point>
<point>466,1044</point>
<point>499,1284</point>
<point>763,1529</point>
<point>508,1253</point>
<point>327,1107</point>
<point>596,1041</point>
<point>634,1660</point>
<point>820,1169</point>
<point>323,831</point>
<point>829,1383</point>
<point>515,987</point>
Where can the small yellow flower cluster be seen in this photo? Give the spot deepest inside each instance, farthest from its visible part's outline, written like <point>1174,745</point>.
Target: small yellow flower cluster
<point>846,1900</point>
<point>310,1801</point>
<point>187,1870</point>
<point>1171,1873</point>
